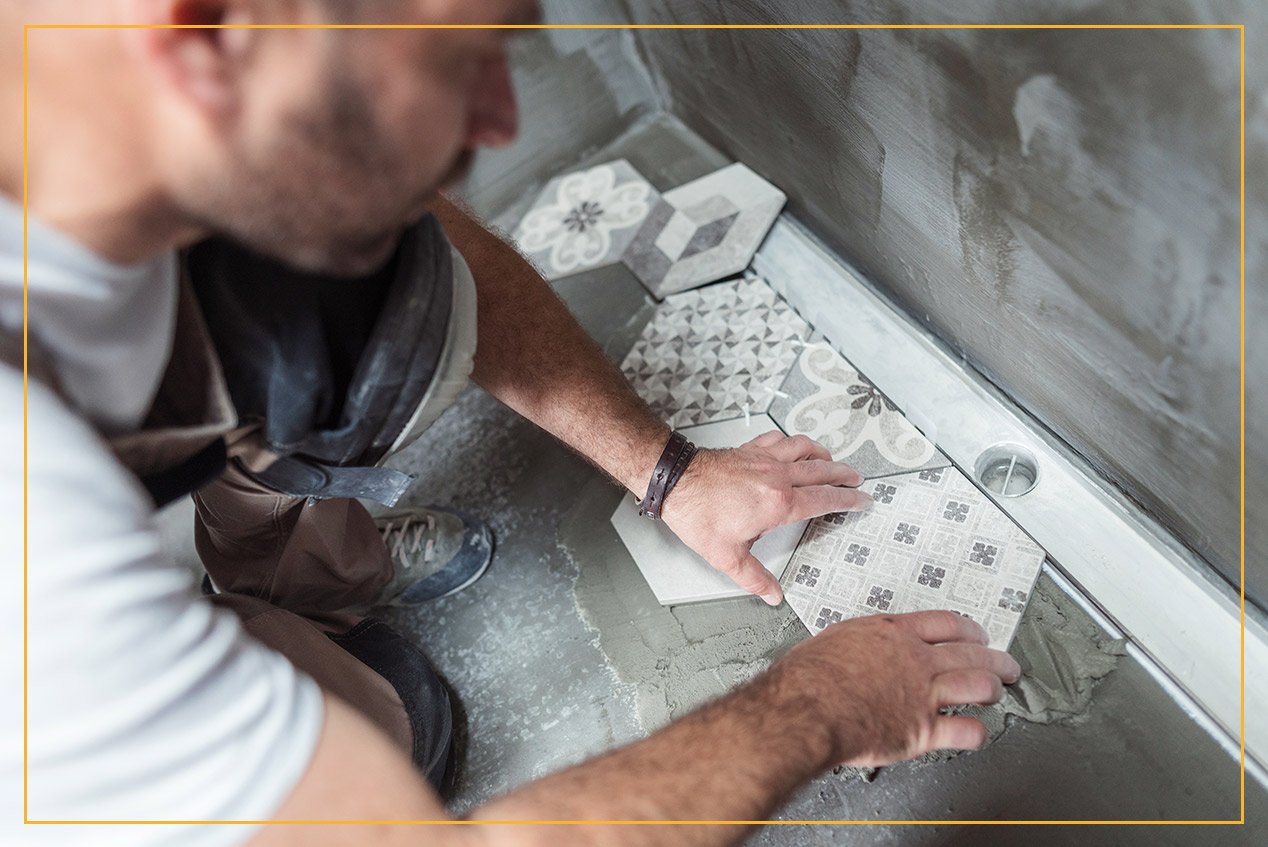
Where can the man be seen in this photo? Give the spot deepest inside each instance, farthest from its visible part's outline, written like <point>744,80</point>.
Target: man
<point>324,149</point>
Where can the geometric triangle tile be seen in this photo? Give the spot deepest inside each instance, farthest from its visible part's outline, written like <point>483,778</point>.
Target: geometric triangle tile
<point>931,540</point>
<point>703,231</point>
<point>699,358</point>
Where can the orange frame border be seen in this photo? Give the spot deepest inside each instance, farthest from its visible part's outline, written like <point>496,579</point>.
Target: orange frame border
<point>26,29</point>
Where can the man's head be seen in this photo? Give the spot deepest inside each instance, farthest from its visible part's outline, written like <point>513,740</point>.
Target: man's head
<point>317,146</point>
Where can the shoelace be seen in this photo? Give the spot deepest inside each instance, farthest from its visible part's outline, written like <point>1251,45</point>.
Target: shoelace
<point>404,541</point>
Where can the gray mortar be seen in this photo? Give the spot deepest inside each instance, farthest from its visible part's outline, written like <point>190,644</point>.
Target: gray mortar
<point>1063,655</point>
<point>677,658</point>
<point>680,657</point>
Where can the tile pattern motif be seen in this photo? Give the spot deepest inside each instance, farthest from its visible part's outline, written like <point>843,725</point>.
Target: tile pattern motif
<point>826,398</point>
<point>704,231</point>
<point>586,219</point>
<point>715,353</point>
<point>930,541</point>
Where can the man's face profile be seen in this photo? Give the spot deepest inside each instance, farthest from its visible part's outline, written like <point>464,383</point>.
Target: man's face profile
<point>335,140</point>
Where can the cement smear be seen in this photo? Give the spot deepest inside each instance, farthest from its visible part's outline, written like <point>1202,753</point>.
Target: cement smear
<point>677,658</point>
<point>680,657</point>
<point>1063,653</point>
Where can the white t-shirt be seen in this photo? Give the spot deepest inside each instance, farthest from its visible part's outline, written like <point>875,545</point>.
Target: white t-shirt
<point>145,701</point>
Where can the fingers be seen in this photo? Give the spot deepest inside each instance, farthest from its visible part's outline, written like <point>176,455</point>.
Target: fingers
<point>753,577</point>
<point>958,656</point>
<point>961,687</point>
<point>811,501</point>
<point>819,472</point>
<point>798,447</point>
<point>766,439</point>
<point>957,732</point>
<point>941,626</point>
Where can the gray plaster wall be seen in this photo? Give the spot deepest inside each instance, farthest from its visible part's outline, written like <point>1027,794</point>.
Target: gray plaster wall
<point>1060,207</point>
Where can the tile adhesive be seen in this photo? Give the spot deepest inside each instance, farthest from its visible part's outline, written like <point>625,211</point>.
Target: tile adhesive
<point>681,657</point>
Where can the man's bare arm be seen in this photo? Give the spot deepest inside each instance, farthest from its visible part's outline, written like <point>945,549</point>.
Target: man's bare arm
<point>865,692</point>
<point>534,357</point>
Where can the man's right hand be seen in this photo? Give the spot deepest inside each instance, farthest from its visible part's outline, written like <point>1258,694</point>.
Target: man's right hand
<point>880,684</point>
<point>866,692</point>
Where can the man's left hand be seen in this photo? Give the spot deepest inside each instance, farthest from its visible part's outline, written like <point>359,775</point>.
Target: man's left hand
<point>727,499</point>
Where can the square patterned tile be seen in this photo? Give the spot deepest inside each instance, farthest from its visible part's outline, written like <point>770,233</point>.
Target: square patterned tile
<point>585,219</point>
<point>716,353</point>
<point>825,398</point>
<point>930,541</point>
<point>676,574</point>
<point>704,231</point>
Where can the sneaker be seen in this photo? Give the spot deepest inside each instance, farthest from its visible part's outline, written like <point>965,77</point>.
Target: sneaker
<point>436,552</point>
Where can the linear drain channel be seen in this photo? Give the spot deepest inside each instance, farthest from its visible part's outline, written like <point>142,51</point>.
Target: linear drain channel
<point>1007,470</point>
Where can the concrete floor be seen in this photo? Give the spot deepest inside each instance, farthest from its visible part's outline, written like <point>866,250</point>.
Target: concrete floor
<point>534,667</point>
<point>539,666</point>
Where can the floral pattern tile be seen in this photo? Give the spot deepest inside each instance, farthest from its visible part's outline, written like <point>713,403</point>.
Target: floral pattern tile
<point>704,231</point>
<point>825,398</point>
<point>585,219</point>
<point>715,353</point>
<point>931,540</point>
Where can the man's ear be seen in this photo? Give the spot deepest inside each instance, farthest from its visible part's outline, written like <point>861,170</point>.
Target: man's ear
<point>198,59</point>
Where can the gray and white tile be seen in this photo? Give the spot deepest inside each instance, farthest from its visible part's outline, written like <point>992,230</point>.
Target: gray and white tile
<point>827,399</point>
<point>585,219</point>
<point>715,353</point>
<point>674,572</point>
<point>704,231</point>
<point>931,540</point>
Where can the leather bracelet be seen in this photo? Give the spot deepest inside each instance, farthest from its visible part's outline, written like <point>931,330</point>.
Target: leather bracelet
<point>673,462</point>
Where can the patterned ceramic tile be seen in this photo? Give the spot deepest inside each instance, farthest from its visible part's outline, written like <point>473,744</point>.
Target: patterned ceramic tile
<point>716,353</point>
<point>585,219</point>
<point>930,541</point>
<point>825,398</point>
<point>704,231</point>
<point>676,574</point>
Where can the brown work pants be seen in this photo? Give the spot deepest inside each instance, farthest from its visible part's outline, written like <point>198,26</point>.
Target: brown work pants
<point>297,571</point>
<point>301,574</point>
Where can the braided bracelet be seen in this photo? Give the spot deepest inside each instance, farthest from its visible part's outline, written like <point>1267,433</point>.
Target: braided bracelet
<point>673,462</point>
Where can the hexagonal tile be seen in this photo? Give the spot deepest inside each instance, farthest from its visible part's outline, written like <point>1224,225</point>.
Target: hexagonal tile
<point>931,540</point>
<point>675,573</point>
<point>825,398</point>
<point>704,231</point>
<point>716,353</point>
<point>585,219</point>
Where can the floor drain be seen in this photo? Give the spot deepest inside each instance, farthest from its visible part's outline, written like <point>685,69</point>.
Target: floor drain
<point>1007,470</point>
